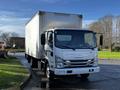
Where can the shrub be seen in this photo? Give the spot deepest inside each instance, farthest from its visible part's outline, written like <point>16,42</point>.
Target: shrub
<point>99,49</point>
<point>116,49</point>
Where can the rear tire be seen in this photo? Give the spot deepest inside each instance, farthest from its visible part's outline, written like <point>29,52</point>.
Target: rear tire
<point>28,58</point>
<point>84,76</point>
<point>33,63</point>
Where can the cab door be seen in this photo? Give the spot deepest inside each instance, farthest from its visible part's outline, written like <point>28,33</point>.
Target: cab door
<point>49,48</point>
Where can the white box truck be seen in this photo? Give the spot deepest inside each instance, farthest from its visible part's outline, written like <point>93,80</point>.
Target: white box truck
<point>56,44</point>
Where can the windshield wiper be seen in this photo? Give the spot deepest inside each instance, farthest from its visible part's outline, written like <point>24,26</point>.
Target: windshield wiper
<point>68,47</point>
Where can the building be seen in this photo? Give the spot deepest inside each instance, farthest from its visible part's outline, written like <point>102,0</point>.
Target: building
<point>2,45</point>
<point>17,42</point>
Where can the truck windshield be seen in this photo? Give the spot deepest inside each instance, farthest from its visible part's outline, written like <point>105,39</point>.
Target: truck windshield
<point>75,39</point>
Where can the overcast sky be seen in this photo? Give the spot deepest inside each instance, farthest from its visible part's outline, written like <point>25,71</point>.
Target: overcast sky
<point>15,13</point>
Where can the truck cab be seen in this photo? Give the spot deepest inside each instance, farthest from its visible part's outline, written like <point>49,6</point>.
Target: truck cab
<point>69,52</point>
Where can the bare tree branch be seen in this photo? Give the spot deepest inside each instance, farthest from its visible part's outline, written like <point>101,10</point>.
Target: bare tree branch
<point>5,36</point>
<point>104,25</point>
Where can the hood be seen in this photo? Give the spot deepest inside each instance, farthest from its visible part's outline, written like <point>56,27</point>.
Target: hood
<point>78,54</point>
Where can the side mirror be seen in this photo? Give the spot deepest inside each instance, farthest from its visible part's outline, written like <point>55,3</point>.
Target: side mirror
<point>101,40</point>
<point>42,39</point>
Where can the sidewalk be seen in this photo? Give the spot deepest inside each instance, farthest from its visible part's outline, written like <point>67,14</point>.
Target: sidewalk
<point>109,61</point>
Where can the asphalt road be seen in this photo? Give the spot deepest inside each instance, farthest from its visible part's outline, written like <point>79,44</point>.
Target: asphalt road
<point>107,79</point>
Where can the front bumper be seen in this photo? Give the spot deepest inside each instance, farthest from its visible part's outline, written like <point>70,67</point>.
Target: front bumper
<point>76,71</point>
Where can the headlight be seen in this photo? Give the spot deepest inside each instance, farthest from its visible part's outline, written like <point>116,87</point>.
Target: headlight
<point>92,62</point>
<point>60,65</point>
<point>58,59</point>
<point>59,62</point>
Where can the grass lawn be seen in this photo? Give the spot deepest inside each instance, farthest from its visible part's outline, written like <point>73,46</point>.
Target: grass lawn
<point>16,50</point>
<point>12,73</point>
<point>108,55</point>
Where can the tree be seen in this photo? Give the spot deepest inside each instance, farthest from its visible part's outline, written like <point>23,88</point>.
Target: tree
<point>117,29</point>
<point>107,26</point>
<point>13,34</point>
<point>5,36</point>
<point>104,26</point>
<point>0,34</point>
<point>96,27</point>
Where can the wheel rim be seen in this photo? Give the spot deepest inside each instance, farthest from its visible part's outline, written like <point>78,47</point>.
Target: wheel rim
<point>48,72</point>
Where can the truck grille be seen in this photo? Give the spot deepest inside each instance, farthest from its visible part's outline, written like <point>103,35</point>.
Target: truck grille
<point>78,63</point>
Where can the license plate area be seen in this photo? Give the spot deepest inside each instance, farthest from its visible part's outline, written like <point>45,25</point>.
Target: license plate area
<point>91,70</point>
<point>69,71</point>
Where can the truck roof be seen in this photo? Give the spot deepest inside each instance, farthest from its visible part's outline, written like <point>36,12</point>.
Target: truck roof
<point>70,29</point>
<point>39,12</point>
<point>42,12</point>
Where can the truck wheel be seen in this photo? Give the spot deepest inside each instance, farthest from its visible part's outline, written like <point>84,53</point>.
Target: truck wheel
<point>30,61</point>
<point>34,63</point>
<point>25,55</point>
<point>28,58</point>
<point>84,76</point>
<point>49,75</point>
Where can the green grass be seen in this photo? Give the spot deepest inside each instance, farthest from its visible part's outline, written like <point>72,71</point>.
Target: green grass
<point>16,50</point>
<point>12,73</point>
<point>108,55</point>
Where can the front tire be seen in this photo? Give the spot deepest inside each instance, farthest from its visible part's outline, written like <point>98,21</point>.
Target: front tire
<point>49,75</point>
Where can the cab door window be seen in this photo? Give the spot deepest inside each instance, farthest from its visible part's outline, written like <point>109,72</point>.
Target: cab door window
<point>50,39</point>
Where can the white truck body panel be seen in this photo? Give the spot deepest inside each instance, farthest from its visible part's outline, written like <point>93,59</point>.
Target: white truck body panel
<point>77,71</point>
<point>32,37</point>
<point>78,54</point>
<point>44,21</point>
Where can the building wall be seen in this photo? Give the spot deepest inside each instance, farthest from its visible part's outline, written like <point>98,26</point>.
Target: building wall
<point>19,42</point>
<point>2,45</point>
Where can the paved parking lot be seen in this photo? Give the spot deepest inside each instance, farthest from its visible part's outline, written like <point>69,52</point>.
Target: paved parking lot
<point>107,79</point>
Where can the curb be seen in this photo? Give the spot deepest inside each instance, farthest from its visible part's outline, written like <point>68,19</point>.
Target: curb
<point>24,83</point>
<point>108,59</point>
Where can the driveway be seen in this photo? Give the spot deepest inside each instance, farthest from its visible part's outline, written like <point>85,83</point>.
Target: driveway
<point>107,79</point>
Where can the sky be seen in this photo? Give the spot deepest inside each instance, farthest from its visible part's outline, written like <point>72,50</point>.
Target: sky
<point>14,14</point>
